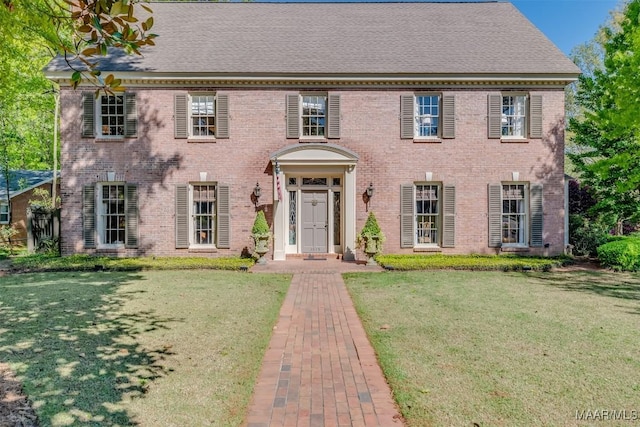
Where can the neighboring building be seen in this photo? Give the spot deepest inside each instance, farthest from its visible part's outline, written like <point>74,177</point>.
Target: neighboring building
<point>21,186</point>
<point>453,112</point>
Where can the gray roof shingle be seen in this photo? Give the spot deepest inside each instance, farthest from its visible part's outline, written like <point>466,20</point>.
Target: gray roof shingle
<point>343,38</point>
<point>22,180</point>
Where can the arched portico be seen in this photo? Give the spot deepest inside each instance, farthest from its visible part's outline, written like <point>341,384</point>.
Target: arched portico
<point>314,200</point>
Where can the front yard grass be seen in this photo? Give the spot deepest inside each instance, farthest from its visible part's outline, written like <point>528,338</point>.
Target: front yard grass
<point>156,348</point>
<point>491,348</point>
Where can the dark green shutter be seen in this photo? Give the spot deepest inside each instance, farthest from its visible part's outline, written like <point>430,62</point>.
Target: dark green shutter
<point>537,217</point>
<point>181,115</point>
<point>88,114</point>
<point>131,115</point>
<point>223,217</point>
<point>495,215</point>
<point>535,116</point>
<point>89,216</point>
<point>333,116</point>
<point>406,216</point>
<point>494,120</point>
<point>406,117</point>
<point>293,116</point>
<point>131,192</point>
<point>182,216</point>
<point>448,116</point>
<point>222,116</point>
<point>449,217</point>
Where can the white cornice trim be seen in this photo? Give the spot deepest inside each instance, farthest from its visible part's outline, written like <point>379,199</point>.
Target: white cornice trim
<point>335,80</point>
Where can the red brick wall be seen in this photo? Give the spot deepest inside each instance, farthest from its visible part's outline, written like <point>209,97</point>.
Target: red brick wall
<point>370,127</point>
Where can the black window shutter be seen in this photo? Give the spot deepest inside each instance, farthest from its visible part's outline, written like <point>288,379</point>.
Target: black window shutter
<point>89,216</point>
<point>131,192</point>
<point>224,217</point>
<point>88,114</point>
<point>495,215</point>
<point>182,216</point>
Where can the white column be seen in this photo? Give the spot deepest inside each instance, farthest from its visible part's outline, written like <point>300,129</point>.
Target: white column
<point>279,219</point>
<point>348,250</point>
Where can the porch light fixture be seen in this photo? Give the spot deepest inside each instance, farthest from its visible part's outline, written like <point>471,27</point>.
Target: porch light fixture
<point>257,192</point>
<point>370,190</point>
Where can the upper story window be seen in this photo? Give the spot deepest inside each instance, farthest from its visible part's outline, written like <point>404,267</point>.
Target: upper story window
<point>515,116</point>
<point>4,213</point>
<point>313,116</point>
<point>314,108</point>
<point>109,116</point>
<point>427,116</point>
<point>514,113</point>
<point>201,116</point>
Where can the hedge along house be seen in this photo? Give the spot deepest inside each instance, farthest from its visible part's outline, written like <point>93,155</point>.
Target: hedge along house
<point>452,113</point>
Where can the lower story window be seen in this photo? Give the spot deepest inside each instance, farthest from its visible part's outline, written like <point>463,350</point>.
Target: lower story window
<point>203,214</point>
<point>110,215</point>
<point>427,214</point>
<point>112,212</point>
<point>514,214</point>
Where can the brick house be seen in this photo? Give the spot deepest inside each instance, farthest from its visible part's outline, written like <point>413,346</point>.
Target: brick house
<point>453,113</point>
<point>21,185</point>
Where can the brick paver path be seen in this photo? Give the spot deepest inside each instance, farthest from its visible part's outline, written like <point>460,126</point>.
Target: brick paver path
<point>320,369</point>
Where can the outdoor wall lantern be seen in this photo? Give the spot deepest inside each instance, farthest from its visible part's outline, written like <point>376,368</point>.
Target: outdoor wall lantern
<point>257,192</point>
<point>368,194</point>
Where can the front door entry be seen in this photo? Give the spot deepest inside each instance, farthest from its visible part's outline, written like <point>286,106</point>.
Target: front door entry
<point>314,222</point>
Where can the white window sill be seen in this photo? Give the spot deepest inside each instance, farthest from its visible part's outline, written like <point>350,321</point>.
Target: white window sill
<point>109,139</point>
<point>514,248</point>
<point>197,140</point>
<point>312,139</point>
<point>202,249</point>
<point>514,139</point>
<point>433,140</point>
<point>424,248</point>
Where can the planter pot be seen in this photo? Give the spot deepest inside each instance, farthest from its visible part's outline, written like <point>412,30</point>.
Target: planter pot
<point>371,245</point>
<point>262,247</point>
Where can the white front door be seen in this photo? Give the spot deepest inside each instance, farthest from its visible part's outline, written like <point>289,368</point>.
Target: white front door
<point>314,222</point>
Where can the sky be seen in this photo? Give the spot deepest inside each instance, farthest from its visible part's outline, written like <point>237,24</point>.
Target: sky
<point>567,23</point>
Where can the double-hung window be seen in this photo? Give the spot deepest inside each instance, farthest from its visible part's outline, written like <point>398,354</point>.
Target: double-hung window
<point>427,215</point>
<point>313,116</point>
<point>201,116</point>
<point>515,215</point>
<point>427,116</point>
<point>4,213</point>
<point>515,116</point>
<point>110,215</point>
<point>202,215</point>
<point>109,116</point>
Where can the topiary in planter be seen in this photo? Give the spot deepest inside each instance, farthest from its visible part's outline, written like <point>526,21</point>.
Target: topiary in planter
<point>370,238</point>
<point>261,235</point>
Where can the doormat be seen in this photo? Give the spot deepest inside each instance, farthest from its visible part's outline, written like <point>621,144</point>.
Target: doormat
<point>313,258</point>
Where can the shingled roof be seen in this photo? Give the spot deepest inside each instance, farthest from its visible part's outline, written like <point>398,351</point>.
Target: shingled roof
<point>485,38</point>
<point>21,180</point>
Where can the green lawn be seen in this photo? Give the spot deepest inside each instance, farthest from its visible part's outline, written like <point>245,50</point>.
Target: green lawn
<point>156,348</point>
<point>505,349</point>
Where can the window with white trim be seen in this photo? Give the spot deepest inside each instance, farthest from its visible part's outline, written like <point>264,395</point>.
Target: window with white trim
<point>4,213</point>
<point>427,214</point>
<point>427,116</point>
<point>203,214</point>
<point>110,215</point>
<point>109,116</point>
<point>514,116</point>
<point>112,116</point>
<point>514,214</point>
<point>202,115</point>
<point>313,115</point>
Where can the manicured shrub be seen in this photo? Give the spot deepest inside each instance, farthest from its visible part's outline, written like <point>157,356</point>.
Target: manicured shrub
<point>586,235</point>
<point>621,254</point>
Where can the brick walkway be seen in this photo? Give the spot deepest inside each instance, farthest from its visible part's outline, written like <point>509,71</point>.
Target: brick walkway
<point>320,369</point>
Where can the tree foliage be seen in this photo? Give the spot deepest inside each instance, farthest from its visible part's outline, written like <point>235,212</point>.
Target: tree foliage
<point>608,130</point>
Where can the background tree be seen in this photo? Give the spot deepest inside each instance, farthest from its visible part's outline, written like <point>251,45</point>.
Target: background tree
<point>609,159</point>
